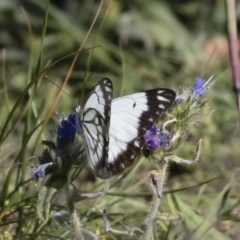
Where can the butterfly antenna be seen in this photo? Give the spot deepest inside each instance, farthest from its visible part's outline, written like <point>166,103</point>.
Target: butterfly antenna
<point>57,86</point>
<point>84,85</point>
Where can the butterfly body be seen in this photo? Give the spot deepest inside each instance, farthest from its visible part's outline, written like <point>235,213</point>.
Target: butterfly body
<point>113,129</point>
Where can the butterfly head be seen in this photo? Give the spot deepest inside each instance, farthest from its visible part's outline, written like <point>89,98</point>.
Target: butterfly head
<point>78,122</point>
<point>78,109</point>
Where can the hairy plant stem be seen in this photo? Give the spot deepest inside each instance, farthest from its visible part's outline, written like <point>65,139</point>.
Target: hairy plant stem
<point>76,225</point>
<point>158,179</point>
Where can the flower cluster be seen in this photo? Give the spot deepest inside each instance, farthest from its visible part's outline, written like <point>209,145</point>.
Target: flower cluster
<point>65,147</point>
<point>197,91</point>
<point>151,138</point>
<point>155,138</point>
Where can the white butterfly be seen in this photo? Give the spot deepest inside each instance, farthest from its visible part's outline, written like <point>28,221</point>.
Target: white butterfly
<point>112,130</point>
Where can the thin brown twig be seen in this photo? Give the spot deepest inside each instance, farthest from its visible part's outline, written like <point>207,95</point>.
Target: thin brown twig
<point>233,48</point>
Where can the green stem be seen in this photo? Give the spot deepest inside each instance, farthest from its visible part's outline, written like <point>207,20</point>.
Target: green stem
<point>73,214</point>
<point>149,222</point>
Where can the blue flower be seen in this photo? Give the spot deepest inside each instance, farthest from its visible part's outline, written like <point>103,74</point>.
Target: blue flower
<point>164,138</point>
<point>154,138</point>
<point>151,138</point>
<point>153,144</point>
<point>198,88</point>
<point>152,132</point>
<point>178,99</point>
<point>39,172</point>
<point>67,131</point>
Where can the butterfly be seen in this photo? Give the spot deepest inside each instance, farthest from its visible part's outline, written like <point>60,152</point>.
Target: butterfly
<point>112,129</point>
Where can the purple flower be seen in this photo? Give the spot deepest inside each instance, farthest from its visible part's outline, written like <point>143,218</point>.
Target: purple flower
<point>154,138</point>
<point>67,131</point>
<point>153,144</point>
<point>152,132</point>
<point>178,99</point>
<point>198,88</point>
<point>39,172</point>
<point>151,138</point>
<point>164,138</point>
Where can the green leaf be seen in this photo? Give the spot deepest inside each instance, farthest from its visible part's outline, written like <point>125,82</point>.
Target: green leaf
<point>7,235</point>
<point>193,221</point>
<point>175,158</point>
<point>49,144</point>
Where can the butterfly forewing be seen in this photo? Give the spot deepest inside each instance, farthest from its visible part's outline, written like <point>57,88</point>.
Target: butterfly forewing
<point>131,116</point>
<point>100,98</point>
<point>95,138</point>
<point>92,122</point>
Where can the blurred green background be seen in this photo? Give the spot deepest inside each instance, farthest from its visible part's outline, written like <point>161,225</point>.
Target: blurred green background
<point>140,45</point>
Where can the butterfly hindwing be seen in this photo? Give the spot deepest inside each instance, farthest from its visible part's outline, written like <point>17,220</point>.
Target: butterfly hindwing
<point>131,116</point>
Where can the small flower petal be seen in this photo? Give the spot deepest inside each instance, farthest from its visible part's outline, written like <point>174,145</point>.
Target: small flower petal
<point>178,99</point>
<point>39,172</point>
<point>151,138</point>
<point>153,144</point>
<point>150,133</point>
<point>198,88</point>
<point>67,131</point>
